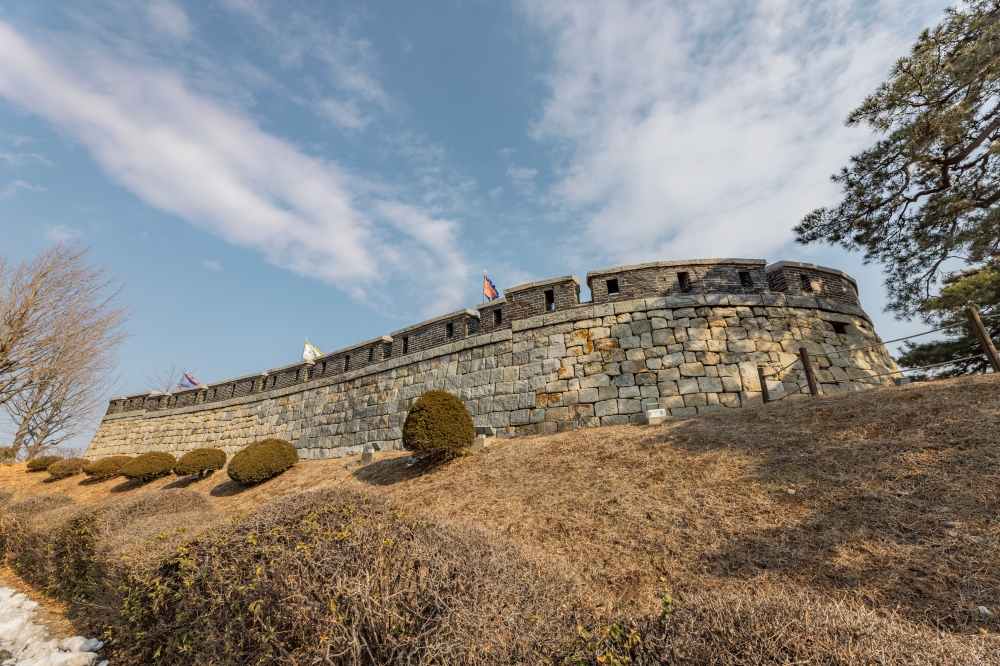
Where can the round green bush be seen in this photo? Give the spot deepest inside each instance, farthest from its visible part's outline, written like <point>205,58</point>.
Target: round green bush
<point>41,463</point>
<point>262,460</point>
<point>149,466</point>
<point>106,468</point>
<point>200,461</point>
<point>439,422</point>
<point>68,467</point>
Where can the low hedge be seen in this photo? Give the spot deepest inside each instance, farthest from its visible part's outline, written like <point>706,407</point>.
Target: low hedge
<point>439,422</point>
<point>149,466</point>
<point>200,461</point>
<point>262,460</point>
<point>41,463</point>
<point>7,454</point>
<point>68,467</point>
<point>106,468</point>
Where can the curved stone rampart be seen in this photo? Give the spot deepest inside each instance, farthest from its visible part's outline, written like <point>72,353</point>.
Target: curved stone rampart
<point>687,336</point>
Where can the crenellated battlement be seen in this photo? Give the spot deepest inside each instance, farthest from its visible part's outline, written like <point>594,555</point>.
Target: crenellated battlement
<point>664,278</point>
<point>685,336</point>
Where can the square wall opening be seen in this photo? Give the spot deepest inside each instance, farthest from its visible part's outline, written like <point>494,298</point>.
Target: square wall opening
<point>613,287</point>
<point>550,300</point>
<point>684,280</point>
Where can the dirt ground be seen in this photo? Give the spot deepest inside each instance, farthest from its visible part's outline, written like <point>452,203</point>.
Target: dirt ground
<point>887,498</point>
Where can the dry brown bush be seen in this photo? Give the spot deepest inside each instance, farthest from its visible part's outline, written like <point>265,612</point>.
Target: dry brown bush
<point>339,577</point>
<point>881,556</point>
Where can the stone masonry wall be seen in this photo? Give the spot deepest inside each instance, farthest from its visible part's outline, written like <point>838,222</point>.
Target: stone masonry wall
<point>578,366</point>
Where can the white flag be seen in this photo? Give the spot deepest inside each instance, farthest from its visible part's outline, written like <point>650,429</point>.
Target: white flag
<point>310,352</point>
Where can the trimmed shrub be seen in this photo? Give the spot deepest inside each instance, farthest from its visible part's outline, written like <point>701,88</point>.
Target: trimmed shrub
<point>41,463</point>
<point>7,454</point>
<point>200,461</point>
<point>67,467</point>
<point>149,466</point>
<point>262,460</point>
<point>106,468</point>
<point>439,422</point>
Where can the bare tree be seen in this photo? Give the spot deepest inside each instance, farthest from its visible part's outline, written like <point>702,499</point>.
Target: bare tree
<point>61,324</point>
<point>167,379</point>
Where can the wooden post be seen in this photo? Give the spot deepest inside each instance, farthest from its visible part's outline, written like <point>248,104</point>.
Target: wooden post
<point>810,377</point>
<point>984,338</point>
<point>763,385</point>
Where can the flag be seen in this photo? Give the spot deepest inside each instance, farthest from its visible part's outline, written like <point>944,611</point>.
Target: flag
<point>310,352</point>
<point>188,381</point>
<point>489,289</point>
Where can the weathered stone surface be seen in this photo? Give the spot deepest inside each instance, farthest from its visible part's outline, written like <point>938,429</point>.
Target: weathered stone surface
<point>580,366</point>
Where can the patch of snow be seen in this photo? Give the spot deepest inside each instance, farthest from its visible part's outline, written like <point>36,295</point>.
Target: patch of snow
<point>28,643</point>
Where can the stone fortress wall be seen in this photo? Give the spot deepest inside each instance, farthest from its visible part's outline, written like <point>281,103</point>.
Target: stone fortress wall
<point>685,335</point>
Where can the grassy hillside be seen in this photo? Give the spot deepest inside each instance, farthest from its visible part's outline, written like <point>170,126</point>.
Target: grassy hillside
<point>855,528</point>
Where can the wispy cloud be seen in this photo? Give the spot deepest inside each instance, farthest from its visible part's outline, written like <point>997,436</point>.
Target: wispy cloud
<point>186,154</point>
<point>61,233</point>
<point>523,178</point>
<point>18,159</point>
<point>13,188</point>
<point>350,95</point>
<point>706,128</point>
<point>212,264</point>
<point>168,17</point>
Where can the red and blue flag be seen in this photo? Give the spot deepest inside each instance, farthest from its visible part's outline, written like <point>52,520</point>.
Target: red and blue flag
<point>188,381</point>
<point>489,289</point>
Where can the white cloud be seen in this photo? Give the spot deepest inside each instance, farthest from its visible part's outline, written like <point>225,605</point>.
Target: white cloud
<point>496,191</point>
<point>167,16</point>
<point>188,155</point>
<point>707,129</point>
<point>212,264</point>
<point>61,233</point>
<point>506,152</point>
<point>11,189</point>
<point>351,93</point>
<point>523,178</point>
<point>17,159</point>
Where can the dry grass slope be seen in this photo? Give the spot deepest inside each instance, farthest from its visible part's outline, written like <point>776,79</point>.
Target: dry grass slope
<point>684,536</point>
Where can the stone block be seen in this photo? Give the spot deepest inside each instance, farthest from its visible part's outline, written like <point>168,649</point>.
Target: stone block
<point>692,369</point>
<point>607,392</point>
<point>594,381</point>
<point>628,392</point>
<point>624,379</point>
<point>668,375</point>
<point>729,399</point>
<point>614,420</point>
<point>645,379</point>
<point>709,385</point>
<point>629,406</point>
<point>631,342</point>
<point>687,386</point>
<point>633,367</point>
<point>663,337</point>
<point>667,388</point>
<point>672,360</point>
<point>606,408</point>
<point>588,394</point>
<point>621,331</point>
<point>684,411</point>
<point>695,400</point>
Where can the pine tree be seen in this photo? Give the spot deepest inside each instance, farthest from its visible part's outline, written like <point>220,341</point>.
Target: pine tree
<point>928,191</point>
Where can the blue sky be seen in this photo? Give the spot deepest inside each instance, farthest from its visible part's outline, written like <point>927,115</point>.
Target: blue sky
<point>258,172</point>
